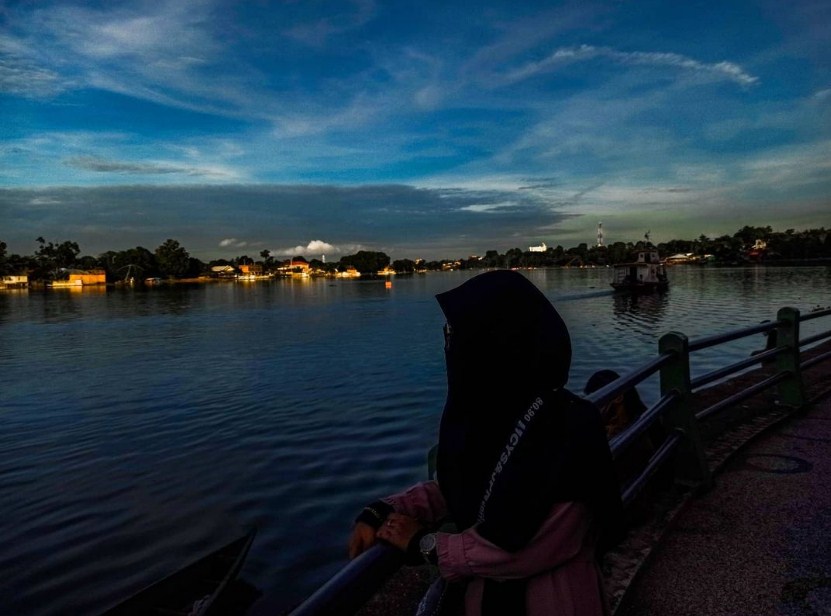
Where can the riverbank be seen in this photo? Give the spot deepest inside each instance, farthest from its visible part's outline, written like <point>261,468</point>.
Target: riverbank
<point>781,263</point>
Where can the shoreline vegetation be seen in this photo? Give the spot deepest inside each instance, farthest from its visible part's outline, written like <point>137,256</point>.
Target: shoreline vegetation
<point>61,264</point>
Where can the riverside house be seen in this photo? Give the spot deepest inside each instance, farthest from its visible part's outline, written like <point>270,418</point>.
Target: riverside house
<point>78,278</point>
<point>15,281</point>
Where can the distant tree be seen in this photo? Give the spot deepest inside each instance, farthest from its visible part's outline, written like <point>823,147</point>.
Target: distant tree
<point>219,262</point>
<point>618,253</point>
<point>135,262</point>
<point>172,259</point>
<point>87,262</point>
<point>51,258</point>
<point>195,268</point>
<point>366,261</point>
<point>513,258</point>
<point>268,260</point>
<point>403,266</point>
<point>492,259</point>
<point>748,235</point>
<point>674,247</point>
<point>598,255</point>
<point>318,264</point>
<point>3,259</point>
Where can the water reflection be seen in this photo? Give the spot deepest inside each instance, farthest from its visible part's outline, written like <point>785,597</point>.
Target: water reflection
<point>60,306</point>
<point>5,302</point>
<point>649,308</point>
<point>153,301</point>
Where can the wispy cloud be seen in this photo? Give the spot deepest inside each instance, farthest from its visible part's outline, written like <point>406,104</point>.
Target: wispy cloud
<point>232,242</point>
<point>91,163</point>
<point>317,32</point>
<point>720,70</point>
<point>161,52</point>
<point>23,78</point>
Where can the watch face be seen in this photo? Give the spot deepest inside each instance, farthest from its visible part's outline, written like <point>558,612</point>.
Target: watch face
<point>427,543</point>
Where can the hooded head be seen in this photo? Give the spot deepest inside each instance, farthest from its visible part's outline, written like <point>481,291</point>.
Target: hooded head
<point>500,325</point>
<point>632,403</point>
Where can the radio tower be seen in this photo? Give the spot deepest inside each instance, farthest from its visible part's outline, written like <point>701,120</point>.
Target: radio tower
<point>599,234</point>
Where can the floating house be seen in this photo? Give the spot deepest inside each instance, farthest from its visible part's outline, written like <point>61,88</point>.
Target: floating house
<point>223,271</point>
<point>645,274</point>
<point>350,272</point>
<point>79,278</point>
<point>14,281</point>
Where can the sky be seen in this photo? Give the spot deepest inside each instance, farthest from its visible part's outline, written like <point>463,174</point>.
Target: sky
<point>420,129</point>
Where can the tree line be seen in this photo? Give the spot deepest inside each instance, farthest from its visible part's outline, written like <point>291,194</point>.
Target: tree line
<point>52,260</point>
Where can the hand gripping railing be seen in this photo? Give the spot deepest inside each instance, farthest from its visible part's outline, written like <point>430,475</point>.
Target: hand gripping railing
<point>353,585</point>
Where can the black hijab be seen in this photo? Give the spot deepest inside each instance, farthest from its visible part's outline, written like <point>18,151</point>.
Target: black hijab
<point>512,440</point>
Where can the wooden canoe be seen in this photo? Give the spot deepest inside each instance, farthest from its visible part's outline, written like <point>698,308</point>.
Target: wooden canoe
<point>192,590</point>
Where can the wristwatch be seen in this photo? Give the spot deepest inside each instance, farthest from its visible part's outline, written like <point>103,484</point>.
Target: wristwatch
<point>427,547</point>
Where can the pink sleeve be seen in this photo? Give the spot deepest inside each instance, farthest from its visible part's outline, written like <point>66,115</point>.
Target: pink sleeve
<point>562,537</point>
<point>423,501</point>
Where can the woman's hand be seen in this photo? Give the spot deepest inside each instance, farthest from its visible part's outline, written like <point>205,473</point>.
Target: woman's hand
<point>363,537</point>
<point>398,530</point>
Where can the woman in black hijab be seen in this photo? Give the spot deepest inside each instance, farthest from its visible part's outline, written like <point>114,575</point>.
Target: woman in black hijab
<point>523,470</point>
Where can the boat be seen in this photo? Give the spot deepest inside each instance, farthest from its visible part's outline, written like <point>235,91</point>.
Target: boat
<point>192,590</point>
<point>645,274</point>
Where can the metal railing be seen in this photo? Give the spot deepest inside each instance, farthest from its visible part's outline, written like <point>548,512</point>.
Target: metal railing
<point>683,446</point>
<point>353,585</point>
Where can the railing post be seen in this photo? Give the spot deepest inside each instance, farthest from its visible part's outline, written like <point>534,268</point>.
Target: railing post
<point>691,464</point>
<point>791,390</point>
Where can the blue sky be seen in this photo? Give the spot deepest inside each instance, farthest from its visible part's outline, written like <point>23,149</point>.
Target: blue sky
<point>423,129</point>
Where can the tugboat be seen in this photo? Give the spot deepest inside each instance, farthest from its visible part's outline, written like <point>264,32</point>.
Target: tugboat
<point>646,274</point>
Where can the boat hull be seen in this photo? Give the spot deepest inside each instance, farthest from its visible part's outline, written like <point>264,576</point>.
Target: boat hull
<point>640,288</point>
<point>192,590</point>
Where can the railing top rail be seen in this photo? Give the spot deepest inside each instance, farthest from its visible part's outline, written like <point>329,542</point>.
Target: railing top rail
<point>815,314</point>
<point>708,341</point>
<point>709,377</point>
<point>742,394</point>
<point>354,584</point>
<point>815,338</point>
<point>602,396</point>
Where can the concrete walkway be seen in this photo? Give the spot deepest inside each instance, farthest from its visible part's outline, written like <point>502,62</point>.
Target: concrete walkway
<point>758,542</point>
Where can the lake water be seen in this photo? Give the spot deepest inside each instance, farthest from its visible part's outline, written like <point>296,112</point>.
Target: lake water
<point>142,427</point>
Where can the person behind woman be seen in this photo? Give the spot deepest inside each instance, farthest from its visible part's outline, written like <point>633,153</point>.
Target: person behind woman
<point>523,468</point>
<point>619,414</point>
